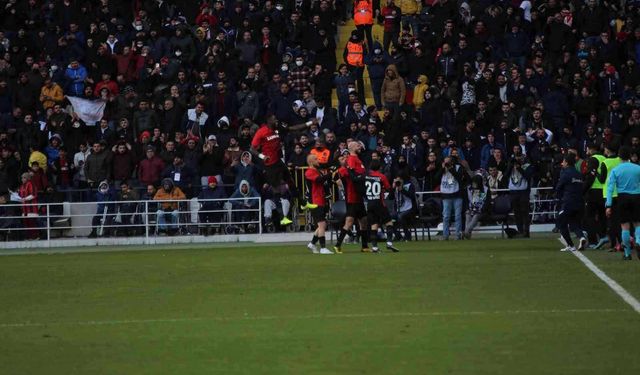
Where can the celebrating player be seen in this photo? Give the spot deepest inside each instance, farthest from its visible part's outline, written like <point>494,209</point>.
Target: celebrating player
<point>376,185</point>
<point>318,180</point>
<point>266,146</point>
<point>353,174</point>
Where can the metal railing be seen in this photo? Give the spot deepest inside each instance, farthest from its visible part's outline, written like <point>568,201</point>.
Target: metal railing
<point>542,200</point>
<point>134,217</point>
<point>150,218</point>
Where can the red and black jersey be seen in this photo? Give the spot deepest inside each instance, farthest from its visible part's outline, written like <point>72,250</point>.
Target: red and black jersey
<point>316,184</point>
<point>267,141</point>
<point>355,165</point>
<point>376,185</point>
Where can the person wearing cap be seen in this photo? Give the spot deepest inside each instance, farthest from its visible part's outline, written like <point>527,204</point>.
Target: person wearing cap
<point>354,52</point>
<point>610,87</point>
<point>211,161</point>
<point>211,199</point>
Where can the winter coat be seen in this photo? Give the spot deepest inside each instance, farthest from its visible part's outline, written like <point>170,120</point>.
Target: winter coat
<point>393,89</point>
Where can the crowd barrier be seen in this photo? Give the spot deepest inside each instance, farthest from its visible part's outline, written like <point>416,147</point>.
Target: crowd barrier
<point>190,217</point>
<point>132,218</point>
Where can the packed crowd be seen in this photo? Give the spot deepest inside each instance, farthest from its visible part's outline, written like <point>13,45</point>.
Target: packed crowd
<point>501,88</point>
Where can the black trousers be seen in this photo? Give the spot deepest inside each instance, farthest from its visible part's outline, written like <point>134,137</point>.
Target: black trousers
<point>613,225</point>
<point>569,221</point>
<point>521,211</point>
<point>595,218</point>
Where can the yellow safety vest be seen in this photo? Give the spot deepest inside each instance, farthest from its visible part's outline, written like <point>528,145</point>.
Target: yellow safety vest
<point>596,183</point>
<point>610,163</point>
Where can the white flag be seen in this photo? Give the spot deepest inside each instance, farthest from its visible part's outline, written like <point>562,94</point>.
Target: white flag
<point>89,111</point>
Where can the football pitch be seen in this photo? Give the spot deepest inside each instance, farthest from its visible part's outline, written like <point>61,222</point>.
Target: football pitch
<point>459,307</point>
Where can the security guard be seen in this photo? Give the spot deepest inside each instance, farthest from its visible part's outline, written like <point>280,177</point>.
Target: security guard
<point>613,222</point>
<point>354,53</point>
<point>594,181</point>
<point>363,18</point>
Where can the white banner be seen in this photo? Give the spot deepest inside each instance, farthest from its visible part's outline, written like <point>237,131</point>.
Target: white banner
<point>89,111</point>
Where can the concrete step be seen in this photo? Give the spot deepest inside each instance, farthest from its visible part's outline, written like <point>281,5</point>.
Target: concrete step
<point>344,32</point>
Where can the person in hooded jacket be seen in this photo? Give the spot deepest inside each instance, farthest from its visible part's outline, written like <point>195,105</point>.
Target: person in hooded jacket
<point>243,199</point>
<point>393,90</point>
<point>105,212</point>
<point>376,63</point>
<point>245,170</point>
<point>208,203</point>
<point>168,212</point>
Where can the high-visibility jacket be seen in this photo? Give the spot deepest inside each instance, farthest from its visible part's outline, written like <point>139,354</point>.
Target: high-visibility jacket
<point>597,185</point>
<point>363,13</point>
<point>355,54</point>
<point>610,163</point>
<point>322,155</point>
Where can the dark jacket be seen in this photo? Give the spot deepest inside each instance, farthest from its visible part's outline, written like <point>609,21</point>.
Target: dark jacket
<point>570,188</point>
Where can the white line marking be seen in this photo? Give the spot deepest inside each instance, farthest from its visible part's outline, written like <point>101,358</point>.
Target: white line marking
<point>620,291</point>
<point>311,316</point>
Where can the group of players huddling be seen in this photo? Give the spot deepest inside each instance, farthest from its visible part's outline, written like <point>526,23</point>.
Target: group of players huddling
<point>359,186</point>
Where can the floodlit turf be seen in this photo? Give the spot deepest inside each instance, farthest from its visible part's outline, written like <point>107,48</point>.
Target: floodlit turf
<point>472,307</point>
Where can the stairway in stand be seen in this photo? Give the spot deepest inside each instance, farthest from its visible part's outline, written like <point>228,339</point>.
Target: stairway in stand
<point>344,32</point>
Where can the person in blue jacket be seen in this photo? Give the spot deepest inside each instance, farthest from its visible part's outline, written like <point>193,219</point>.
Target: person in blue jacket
<point>569,190</point>
<point>208,198</point>
<point>75,76</point>
<point>105,211</point>
<point>625,178</point>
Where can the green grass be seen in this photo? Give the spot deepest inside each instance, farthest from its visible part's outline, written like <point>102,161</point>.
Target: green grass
<point>472,307</point>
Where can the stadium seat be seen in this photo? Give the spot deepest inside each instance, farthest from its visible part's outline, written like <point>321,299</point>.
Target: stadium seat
<point>500,212</point>
<point>430,215</point>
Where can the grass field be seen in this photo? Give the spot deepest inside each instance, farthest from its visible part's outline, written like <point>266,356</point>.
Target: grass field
<point>472,307</point>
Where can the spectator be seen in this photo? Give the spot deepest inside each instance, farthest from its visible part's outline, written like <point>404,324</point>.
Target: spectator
<point>168,214</point>
<point>29,197</point>
<point>97,165</point>
<point>244,201</point>
<point>451,188</point>
<point>75,76</point>
<point>127,208</point>
<point>102,221</point>
<point>50,94</point>
<point>393,89</point>
<point>150,169</point>
<point>211,204</point>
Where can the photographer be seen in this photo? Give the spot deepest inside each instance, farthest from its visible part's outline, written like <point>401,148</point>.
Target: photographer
<point>404,197</point>
<point>451,188</point>
<point>519,184</point>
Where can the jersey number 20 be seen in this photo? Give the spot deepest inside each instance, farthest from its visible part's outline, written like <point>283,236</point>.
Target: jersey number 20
<point>373,189</point>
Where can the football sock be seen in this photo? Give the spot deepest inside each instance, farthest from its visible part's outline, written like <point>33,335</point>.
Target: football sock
<point>364,234</point>
<point>323,242</point>
<point>389,233</point>
<point>626,242</point>
<point>343,233</point>
<point>314,239</point>
<point>374,238</point>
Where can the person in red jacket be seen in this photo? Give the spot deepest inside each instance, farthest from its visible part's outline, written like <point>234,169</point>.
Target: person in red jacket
<point>391,20</point>
<point>29,198</point>
<point>150,168</point>
<point>352,179</point>
<point>317,180</point>
<point>106,82</point>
